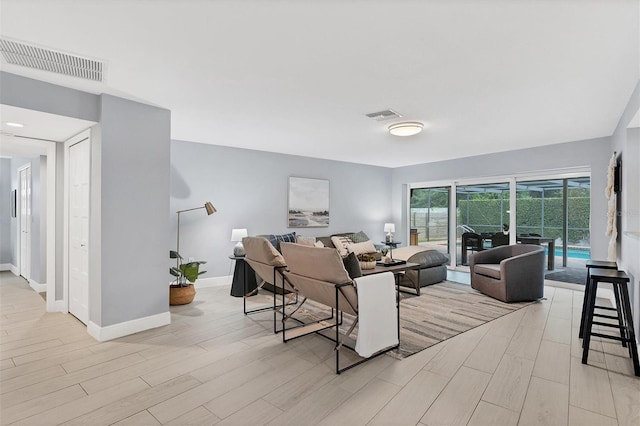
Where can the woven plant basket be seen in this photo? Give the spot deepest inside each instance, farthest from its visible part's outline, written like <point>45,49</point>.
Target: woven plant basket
<point>367,265</point>
<point>181,295</point>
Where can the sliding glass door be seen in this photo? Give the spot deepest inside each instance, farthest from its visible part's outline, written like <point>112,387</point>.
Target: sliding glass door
<point>429,218</point>
<point>557,209</point>
<point>482,209</point>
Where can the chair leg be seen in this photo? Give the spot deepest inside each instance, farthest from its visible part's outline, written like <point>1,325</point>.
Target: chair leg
<point>585,300</point>
<point>589,321</point>
<point>629,328</point>
<point>621,322</point>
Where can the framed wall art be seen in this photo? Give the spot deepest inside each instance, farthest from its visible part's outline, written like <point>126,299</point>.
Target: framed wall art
<point>308,203</point>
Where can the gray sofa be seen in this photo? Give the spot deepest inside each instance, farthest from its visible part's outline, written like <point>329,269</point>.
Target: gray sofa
<point>433,262</point>
<point>509,273</point>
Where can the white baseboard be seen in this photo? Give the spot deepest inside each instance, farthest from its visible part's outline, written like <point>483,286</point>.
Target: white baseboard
<point>57,306</point>
<point>214,281</point>
<point>114,331</point>
<point>7,267</point>
<point>37,287</point>
<point>606,293</point>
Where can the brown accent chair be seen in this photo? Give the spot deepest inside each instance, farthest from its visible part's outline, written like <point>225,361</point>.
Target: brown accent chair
<point>509,273</point>
<point>319,275</point>
<point>269,266</point>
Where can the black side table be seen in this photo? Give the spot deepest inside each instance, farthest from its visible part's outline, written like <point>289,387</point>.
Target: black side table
<point>391,245</point>
<point>241,271</point>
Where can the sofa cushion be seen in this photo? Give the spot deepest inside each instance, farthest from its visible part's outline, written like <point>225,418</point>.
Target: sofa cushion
<point>305,241</point>
<point>352,265</point>
<point>340,242</point>
<point>488,269</point>
<point>363,247</point>
<point>276,239</point>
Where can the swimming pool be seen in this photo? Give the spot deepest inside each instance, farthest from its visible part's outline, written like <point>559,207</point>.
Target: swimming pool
<point>574,253</point>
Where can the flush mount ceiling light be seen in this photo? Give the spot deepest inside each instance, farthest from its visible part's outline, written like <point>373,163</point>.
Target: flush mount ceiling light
<point>406,128</point>
<point>12,124</point>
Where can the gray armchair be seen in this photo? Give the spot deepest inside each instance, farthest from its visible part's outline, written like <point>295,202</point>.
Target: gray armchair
<point>509,273</point>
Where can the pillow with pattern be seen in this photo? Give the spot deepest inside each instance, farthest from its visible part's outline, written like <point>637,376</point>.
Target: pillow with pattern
<point>340,242</point>
<point>287,238</point>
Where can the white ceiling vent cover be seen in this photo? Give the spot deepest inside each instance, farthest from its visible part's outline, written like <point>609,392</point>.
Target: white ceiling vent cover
<point>49,60</point>
<point>387,114</point>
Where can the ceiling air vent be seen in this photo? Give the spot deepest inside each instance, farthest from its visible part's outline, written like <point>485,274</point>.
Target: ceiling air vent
<point>27,55</point>
<point>387,114</point>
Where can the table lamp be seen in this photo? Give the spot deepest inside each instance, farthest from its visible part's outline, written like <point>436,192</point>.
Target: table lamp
<point>389,228</point>
<point>237,235</point>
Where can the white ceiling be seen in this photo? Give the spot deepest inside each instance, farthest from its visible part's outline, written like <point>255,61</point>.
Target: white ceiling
<point>298,77</point>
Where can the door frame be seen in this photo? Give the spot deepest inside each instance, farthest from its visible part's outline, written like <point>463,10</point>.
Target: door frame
<point>80,137</point>
<point>27,275</point>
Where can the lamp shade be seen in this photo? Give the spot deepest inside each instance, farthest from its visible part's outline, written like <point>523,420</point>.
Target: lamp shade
<point>406,128</point>
<point>389,227</point>
<point>209,207</point>
<point>238,234</point>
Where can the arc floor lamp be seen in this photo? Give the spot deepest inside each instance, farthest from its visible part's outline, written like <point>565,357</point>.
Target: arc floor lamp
<point>210,210</point>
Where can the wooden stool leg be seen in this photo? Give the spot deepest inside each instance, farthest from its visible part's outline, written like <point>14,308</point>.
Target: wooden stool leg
<point>589,321</point>
<point>629,328</point>
<point>585,301</point>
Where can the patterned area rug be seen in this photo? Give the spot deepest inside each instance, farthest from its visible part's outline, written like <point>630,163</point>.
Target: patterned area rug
<point>440,312</point>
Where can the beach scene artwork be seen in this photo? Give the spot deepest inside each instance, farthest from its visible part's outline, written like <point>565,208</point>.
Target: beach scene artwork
<point>308,203</point>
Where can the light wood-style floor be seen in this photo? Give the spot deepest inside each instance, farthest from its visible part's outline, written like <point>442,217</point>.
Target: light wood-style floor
<point>213,365</point>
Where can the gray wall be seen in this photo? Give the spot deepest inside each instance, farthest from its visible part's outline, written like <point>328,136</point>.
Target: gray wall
<point>37,95</point>
<point>594,153</point>
<point>250,189</point>
<point>627,143</point>
<point>134,148</point>
<point>6,256</point>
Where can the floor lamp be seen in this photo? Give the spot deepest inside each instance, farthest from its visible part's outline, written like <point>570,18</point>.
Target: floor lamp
<point>210,210</point>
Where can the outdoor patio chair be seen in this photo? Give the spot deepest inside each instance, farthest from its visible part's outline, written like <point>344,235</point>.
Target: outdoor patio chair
<point>470,242</point>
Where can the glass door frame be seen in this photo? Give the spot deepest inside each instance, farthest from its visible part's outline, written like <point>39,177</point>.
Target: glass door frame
<point>511,179</point>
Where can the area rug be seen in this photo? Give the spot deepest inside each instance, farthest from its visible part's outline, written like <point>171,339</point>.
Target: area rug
<point>568,275</point>
<point>441,311</point>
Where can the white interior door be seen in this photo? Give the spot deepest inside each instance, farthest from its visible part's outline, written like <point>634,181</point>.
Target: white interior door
<point>79,179</point>
<point>24,182</point>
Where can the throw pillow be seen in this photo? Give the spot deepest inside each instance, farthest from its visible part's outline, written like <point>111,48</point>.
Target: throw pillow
<point>287,238</point>
<point>360,237</point>
<point>340,243</point>
<point>352,266</point>
<point>306,241</point>
<point>319,244</point>
<point>364,247</point>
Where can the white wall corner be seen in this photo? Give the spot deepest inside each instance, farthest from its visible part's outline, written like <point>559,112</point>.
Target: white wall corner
<point>37,287</point>
<point>126,328</point>
<point>14,270</point>
<point>7,267</point>
<point>214,281</point>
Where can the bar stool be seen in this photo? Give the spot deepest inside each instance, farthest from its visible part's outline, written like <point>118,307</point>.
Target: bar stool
<point>602,264</point>
<point>619,280</point>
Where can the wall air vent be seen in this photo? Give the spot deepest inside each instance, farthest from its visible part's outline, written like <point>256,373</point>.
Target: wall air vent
<point>387,114</point>
<point>27,55</point>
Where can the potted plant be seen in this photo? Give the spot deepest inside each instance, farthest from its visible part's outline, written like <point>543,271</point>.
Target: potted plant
<point>367,260</point>
<point>181,290</point>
